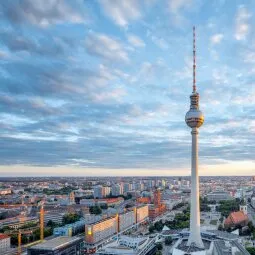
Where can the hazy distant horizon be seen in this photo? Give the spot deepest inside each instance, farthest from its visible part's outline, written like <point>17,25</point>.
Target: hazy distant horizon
<point>18,171</point>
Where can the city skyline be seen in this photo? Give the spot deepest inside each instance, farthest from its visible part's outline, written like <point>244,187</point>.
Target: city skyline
<point>107,98</point>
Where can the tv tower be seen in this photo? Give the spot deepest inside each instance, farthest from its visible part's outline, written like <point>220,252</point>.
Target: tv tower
<point>194,119</point>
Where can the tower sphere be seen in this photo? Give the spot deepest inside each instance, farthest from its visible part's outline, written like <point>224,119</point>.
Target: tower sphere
<point>194,117</point>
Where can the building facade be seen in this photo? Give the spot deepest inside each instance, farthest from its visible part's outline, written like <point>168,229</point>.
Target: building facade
<point>100,230</point>
<point>58,246</point>
<point>5,243</point>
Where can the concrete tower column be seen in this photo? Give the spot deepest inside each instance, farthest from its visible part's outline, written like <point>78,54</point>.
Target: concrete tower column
<point>194,119</point>
<point>195,236</point>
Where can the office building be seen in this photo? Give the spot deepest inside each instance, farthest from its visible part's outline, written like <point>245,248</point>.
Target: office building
<point>98,191</point>
<point>142,213</point>
<point>126,220</point>
<point>58,245</point>
<point>127,187</point>
<point>54,216</point>
<point>100,230</point>
<point>106,191</point>
<point>117,190</point>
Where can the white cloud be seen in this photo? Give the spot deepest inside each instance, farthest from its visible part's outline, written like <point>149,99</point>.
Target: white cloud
<point>217,38</point>
<point>45,13</point>
<point>121,12</point>
<point>249,57</point>
<point>106,47</point>
<point>176,5</point>
<point>160,42</point>
<point>136,41</point>
<point>242,25</point>
<point>108,96</point>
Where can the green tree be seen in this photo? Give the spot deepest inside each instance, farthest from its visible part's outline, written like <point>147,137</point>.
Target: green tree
<point>104,206</point>
<point>70,218</point>
<point>251,250</point>
<point>168,240</point>
<point>95,210</point>
<point>220,227</point>
<point>159,246</point>
<point>158,225</point>
<point>151,228</point>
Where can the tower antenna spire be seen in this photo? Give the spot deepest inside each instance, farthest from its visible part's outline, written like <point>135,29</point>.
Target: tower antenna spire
<point>194,59</point>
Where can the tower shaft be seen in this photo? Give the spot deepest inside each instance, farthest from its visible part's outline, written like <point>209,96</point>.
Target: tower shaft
<point>195,235</point>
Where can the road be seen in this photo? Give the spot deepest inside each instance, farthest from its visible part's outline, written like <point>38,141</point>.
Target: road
<point>251,213</point>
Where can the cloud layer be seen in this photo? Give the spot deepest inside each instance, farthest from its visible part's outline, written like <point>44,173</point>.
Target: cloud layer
<point>106,84</point>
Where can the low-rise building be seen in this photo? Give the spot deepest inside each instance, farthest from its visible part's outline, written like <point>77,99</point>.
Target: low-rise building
<point>126,245</point>
<point>253,202</point>
<point>17,222</point>
<point>219,196</point>
<point>56,217</point>
<point>236,219</point>
<point>5,192</point>
<point>58,245</point>
<point>5,243</point>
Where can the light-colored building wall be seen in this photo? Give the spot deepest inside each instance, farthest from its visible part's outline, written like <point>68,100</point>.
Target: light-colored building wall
<point>142,213</point>
<point>5,243</point>
<point>126,220</point>
<point>98,231</point>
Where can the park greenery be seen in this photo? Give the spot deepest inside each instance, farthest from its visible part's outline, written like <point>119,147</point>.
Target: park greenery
<point>180,221</point>
<point>95,209</point>
<point>251,250</point>
<point>228,206</point>
<point>30,237</point>
<point>168,240</point>
<point>70,218</point>
<point>63,191</point>
<point>128,196</point>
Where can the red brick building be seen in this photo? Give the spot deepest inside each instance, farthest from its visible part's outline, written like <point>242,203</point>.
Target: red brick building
<point>157,208</point>
<point>236,219</point>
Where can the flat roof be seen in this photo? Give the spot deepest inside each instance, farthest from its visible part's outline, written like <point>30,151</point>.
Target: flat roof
<point>56,243</point>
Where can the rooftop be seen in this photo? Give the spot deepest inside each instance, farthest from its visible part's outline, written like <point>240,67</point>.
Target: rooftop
<point>56,243</point>
<point>3,236</point>
<point>229,248</point>
<point>183,246</point>
<point>236,218</point>
<point>224,235</point>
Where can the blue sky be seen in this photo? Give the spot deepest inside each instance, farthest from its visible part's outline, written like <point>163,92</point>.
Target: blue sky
<point>101,87</point>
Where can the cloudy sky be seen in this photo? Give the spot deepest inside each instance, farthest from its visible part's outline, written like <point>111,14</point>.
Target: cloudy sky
<point>101,87</point>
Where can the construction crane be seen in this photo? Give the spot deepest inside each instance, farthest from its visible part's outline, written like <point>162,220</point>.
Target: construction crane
<point>20,233</point>
<point>41,223</point>
<point>30,231</point>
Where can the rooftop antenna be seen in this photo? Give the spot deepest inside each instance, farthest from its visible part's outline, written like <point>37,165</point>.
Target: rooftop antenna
<point>194,59</point>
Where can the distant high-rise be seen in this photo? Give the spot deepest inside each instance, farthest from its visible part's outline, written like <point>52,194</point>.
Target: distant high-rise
<point>98,191</point>
<point>157,198</point>
<point>194,119</point>
<point>117,190</point>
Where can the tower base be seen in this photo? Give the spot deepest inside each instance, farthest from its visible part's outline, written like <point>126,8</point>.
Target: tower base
<point>182,247</point>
